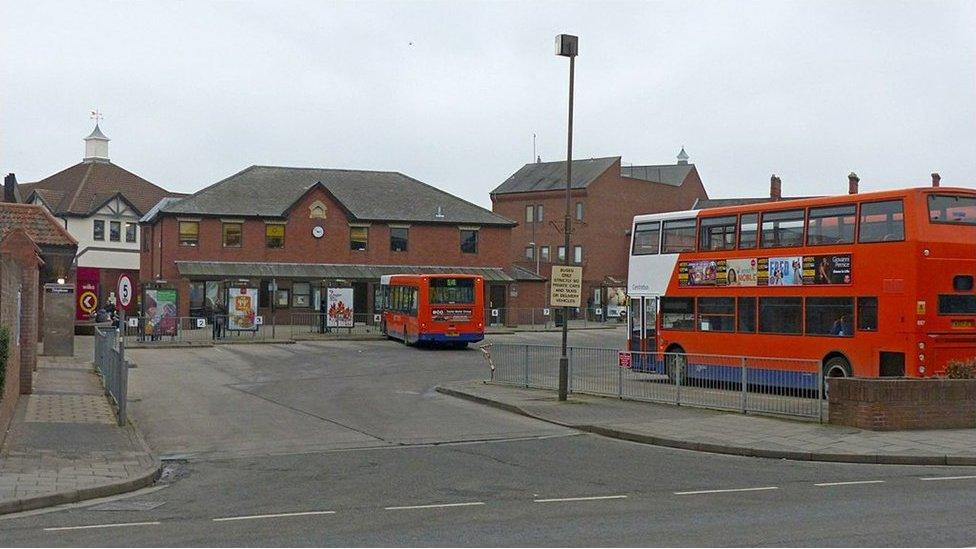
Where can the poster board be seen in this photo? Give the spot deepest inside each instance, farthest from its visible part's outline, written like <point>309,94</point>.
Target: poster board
<point>339,304</point>
<point>242,309</point>
<point>160,311</point>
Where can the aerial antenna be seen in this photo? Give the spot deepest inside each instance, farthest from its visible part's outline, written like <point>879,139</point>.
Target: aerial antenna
<point>533,148</point>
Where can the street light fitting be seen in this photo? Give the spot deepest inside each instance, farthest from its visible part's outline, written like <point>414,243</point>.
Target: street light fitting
<point>567,45</point>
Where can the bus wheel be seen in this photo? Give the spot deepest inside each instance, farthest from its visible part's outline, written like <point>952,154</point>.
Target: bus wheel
<point>675,361</point>
<point>837,366</point>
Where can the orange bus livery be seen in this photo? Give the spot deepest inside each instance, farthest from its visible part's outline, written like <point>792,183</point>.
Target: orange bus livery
<point>440,309</point>
<point>871,284</point>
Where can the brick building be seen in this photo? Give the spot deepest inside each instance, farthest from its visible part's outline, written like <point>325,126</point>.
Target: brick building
<point>292,232</point>
<point>100,204</point>
<point>605,197</point>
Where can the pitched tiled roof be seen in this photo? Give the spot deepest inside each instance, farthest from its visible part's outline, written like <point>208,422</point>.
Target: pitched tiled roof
<point>551,176</point>
<point>269,191</point>
<point>39,224</point>
<point>668,174</point>
<point>704,203</point>
<point>85,187</point>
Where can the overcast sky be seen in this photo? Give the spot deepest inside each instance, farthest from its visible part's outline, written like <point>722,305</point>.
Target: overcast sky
<point>451,93</point>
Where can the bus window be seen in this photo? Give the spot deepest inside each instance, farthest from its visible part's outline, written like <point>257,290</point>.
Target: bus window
<point>830,316</point>
<point>747,314</point>
<point>716,314</point>
<point>780,315</point>
<point>952,209</point>
<point>831,225</point>
<point>679,236</point>
<point>782,229</point>
<point>748,231</point>
<point>717,233</point>
<point>867,314</point>
<point>677,313</point>
<point>451,290</point>
<point>882,222</point>
<point>646,238</point>
<point>957,304</point>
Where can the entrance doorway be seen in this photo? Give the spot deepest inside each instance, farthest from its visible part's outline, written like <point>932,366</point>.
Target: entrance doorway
<point>496,301</point>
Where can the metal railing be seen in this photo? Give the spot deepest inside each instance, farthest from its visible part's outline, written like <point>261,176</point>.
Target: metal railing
<point>316,324</point>
<point>109,359</point>
<point>782,386</point>
<point>543,318</point>
<point>145,331</point>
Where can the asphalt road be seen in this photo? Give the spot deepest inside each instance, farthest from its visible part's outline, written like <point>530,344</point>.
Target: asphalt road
<point>345,444</point>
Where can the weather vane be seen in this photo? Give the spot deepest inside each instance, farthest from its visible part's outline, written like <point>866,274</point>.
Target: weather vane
<point>96,115</point>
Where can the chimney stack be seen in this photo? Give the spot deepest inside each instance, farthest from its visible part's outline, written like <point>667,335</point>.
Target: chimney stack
<point>852,181</point>
<point>775,188</point>
<point>936,178</point>
<point>10,192</point>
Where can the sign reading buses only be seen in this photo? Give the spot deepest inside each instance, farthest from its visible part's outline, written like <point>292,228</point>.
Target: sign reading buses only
<point>566,286</point>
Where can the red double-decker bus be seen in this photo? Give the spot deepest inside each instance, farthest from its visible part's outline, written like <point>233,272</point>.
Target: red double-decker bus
<point>436,308</point>
<point>871,284</point>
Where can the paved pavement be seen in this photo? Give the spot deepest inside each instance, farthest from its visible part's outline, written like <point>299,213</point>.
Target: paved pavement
<point>730,433</point>
<point>64,443</point>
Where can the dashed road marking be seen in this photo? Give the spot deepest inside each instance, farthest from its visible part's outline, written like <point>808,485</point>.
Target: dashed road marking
<point>849,482</point>
<point>694,492</point>
<point>274,515</point>
<point>434,506</point>
<point>584,498</point>
<point>93,526</point>
<point>964,477</point>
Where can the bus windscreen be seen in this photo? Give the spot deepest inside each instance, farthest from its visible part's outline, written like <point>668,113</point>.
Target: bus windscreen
<point>451,291</point>
<point>945,208</point>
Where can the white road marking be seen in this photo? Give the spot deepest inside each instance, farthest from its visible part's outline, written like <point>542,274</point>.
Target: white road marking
<point>274,515</point>
<point>726,490</point>
<point>584,498</point>
<point>434,506</point>
<point>92,526</point>
<point>949,478</point>
<point>849,482</point>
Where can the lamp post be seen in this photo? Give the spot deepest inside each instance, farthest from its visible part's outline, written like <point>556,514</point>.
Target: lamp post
<point>567,45</point>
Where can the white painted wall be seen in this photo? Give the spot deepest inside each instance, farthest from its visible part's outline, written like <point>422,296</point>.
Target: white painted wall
<point>105,253</point>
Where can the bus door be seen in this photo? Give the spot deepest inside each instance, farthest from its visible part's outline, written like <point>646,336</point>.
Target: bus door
<point>642,319</point>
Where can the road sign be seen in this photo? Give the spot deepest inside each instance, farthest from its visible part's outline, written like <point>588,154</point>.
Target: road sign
<point>125,290</point>
<point>133,321</point>
<point>201,323</point>
<point>88,302</point>
<point>624,359</point>
<point>545,312</point>
<point>258,320</point>
<point>565,286</point>
<point>494,313</point>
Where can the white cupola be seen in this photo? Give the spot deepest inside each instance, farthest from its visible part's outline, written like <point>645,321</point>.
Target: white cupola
<point>682,156</point>
<point>96,146</point>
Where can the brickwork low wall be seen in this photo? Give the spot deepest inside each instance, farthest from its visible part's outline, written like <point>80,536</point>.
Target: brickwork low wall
<point>901,404</point>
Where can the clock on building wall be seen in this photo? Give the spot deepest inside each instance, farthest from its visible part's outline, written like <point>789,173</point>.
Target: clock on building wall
<point>318,231</point>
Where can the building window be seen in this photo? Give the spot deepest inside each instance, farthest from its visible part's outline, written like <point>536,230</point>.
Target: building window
<point>679,236</point>
<point>398,239</point>
<point>579,211</point>
<point>780,315</point>
<point>189,233</point>
<point>529,214</point>
<point>358,238</point>
<point>99,232</point>
<point>577,254</point>
<point>782,229</point>
<point>274,235</point>
<point>130,232</point>
<point>748,231</point>
<point>530,252</point>
<point>830,316</point>
<point>716,314</point>
<point>561,253</point>
<point>469,241</point>
<point>115,231</point>
<point>233,235</point>
<point>198,295</point>
<point>831,225</point>
<point>283,298</point>
<point>717,233</point>
<point>300,294</point>
<point>646,237</point>
<point>882,222</point>
<point>538,213</point>
<point>544,253</point>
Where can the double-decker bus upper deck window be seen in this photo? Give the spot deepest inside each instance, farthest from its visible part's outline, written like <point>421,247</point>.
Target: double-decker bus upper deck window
<point>782,229</point>
<point>830,316</point>
<point>957,304</point>
<point>716,314</point>
<point>677,313</point>
<point>831,225</point>
<point>780,315</point>
<point>646,238</point>
<point>679,236</point>
<point>451,290</point>
<point>717,233</point>
<point>748,231</point>
<point>947,208</point>
<point>882,222</point>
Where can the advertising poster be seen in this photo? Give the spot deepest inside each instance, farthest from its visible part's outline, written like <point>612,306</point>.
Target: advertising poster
<point>160,309</point>
<point>709,272</point>
<point>86,280</point>
<point>741,272</point>
<point>340,308</point>
<point>827,269</point>
<point>242,309</point>
<point>785,271</point>
<point>616,301</point>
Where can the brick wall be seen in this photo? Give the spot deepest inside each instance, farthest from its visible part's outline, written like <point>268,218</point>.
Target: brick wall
<point>9,285</point>
<point>899,404</point>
